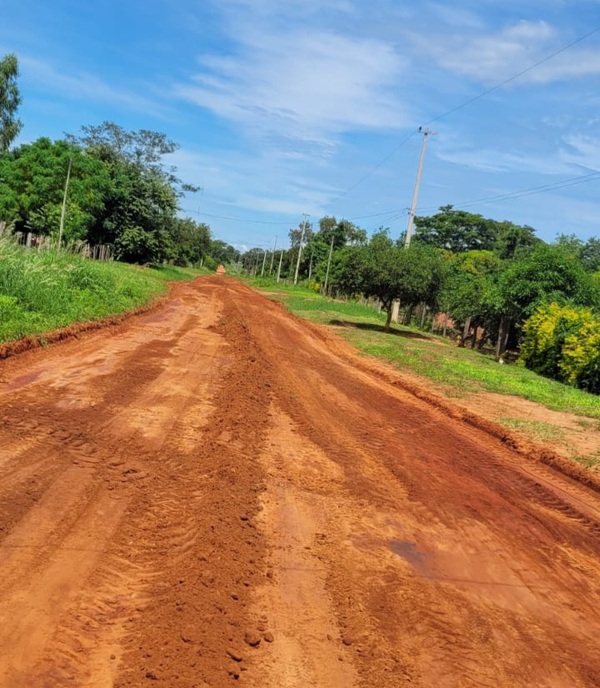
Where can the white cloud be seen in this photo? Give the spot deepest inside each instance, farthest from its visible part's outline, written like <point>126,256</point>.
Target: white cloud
<point>79,85</point>
<point>488,57</point>
<point>583,150</point>
<point>505,161</point>
<point>305,86</point>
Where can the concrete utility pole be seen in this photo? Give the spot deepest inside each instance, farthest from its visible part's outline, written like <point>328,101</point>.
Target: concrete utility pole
<point>413,206</point>
<point>304,223</point>
<point>64,205</point>
<point>279,268</point>
<point>328,265</point>
<point>273,256</point>
<point>262,272</point>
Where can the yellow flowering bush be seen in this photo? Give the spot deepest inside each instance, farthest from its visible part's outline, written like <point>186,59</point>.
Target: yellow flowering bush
<point>563,342</point>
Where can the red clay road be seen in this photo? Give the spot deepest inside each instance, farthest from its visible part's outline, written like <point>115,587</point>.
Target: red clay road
<point>219,493</point>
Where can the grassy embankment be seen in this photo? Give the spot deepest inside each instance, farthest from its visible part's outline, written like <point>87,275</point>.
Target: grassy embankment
<point>46,290</point>
<point>454,372</point>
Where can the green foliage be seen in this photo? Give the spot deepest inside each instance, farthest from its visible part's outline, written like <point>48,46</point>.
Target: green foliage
<point>470,290</point>
<point>10,99</point>
<point>458,231</point>
<point>548,273</point>
<point>386,271</point>
<point>31,194</point>
<point>44,290</point>
<point>191,241</point>
<point>455,371</point>
<point>563,342</point>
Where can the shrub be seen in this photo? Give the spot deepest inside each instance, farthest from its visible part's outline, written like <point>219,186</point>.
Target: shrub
<point>563,342</point>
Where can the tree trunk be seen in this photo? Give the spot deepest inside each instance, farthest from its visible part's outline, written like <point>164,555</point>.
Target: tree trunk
<point>465,332</point>
<point>408,315</point>
<point>482,340</point>
<point>474,336</point>
<point>388,320</point>
<point>503,332</point>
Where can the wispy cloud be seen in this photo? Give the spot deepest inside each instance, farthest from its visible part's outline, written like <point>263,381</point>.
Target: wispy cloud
<point>83,86</point>
<point>309,87</point>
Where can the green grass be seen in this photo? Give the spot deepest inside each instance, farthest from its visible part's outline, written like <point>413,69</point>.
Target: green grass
<point>42,291</point>
<point>457,371</point>
<point>537,429</point>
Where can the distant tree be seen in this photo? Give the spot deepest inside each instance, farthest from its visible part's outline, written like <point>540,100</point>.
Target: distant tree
<point>590,255</point>
<point>223,252</point>
<point>588,252</point>
<point>10,99</point>
<point>459,231</point>
<point>388,272</point>
<point>296,234</point>
<point>190,241</point>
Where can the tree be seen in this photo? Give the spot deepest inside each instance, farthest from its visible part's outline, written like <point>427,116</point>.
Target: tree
<point>548,273</point>
<point>10,99</point>
<point>459,231</point>
<point>31,193</point>
<point>296,234</point>
<point>388,272</point>
<point>191,241</point>
<point>143,196</point>
<point>588,252</point>
<point>223,252</point>
<point>470,293</point>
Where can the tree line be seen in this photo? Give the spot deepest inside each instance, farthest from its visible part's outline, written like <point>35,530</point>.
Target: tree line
<point>496,283</point>
<point>116,184</point>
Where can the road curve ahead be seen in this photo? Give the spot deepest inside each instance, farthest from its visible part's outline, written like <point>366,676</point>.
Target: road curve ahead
<point>218,494</point>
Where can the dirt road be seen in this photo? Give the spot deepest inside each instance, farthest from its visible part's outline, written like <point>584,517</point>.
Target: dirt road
<point>215,493</point>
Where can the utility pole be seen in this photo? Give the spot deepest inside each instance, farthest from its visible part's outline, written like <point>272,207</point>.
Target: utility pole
<point>304,223</point>
<point>273,257</point>
<point>262,272</point>
<point>279,268</point>
<point>328,264</point>
<point>413,206</point>
<point>64,205</point>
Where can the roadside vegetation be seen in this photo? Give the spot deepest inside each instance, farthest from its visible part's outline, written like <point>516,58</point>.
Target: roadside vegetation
<point>458,373</point>
<point>104,192</point>
<point>491,286</point>
<point>46,290</point>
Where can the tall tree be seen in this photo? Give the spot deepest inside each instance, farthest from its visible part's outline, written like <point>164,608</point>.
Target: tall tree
<point>459,231</point>
<point>31,193</point>
<point>10,99</point>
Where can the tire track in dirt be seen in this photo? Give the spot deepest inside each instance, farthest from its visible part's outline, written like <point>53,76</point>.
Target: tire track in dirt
<point>212,495</point>
<point>454,567</point>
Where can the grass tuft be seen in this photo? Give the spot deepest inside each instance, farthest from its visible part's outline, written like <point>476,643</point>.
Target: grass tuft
<point>44,290</point>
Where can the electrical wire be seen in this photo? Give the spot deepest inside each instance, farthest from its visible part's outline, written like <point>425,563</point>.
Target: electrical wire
<point>237,219</point>
<point>512,78</point>
<point>466,103</point>
<point>520,193</point>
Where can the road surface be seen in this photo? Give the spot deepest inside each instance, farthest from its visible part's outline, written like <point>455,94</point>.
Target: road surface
<point>218,492</point>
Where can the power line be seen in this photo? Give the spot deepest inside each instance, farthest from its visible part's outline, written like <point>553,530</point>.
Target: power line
<point>514,77</point>
<point>531,191</point>
<point>375,167</point>
<point>466,103</point>
<point>236,219</point>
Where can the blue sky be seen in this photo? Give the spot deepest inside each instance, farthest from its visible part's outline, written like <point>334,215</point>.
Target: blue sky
<point>282,106</point>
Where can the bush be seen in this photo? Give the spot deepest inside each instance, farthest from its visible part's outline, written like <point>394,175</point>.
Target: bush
<point>563,342</point>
